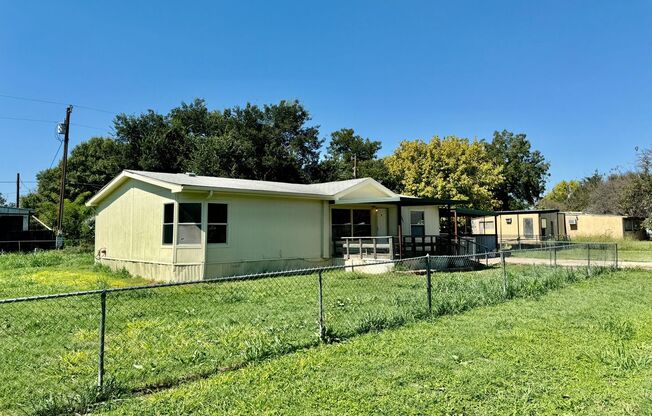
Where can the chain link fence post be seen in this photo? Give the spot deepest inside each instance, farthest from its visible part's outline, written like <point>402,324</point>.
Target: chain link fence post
<point>100,367</point>
<point>320,296</point>
<point>429,283</point>
<point>616,254</point>
<point>504,267</point>
<point>588,258</point>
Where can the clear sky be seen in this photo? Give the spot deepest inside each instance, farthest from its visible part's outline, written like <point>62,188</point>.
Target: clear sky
<point>575,76</point>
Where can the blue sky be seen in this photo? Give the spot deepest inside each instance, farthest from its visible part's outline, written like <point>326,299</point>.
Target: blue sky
<point>575,76</point>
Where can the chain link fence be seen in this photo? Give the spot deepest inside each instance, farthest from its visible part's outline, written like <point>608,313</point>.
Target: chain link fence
<point>62,353</point>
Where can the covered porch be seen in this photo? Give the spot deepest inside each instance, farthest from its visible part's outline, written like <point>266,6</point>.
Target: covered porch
<point>405,227</point>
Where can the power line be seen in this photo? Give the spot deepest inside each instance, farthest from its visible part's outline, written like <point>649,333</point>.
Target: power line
<point>36,120</point>
<point>56,154</point>
<point>38,100</point>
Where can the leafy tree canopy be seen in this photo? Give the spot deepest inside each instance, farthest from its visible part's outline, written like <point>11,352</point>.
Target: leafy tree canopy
<point>449,168</point>
<point>525,170</point>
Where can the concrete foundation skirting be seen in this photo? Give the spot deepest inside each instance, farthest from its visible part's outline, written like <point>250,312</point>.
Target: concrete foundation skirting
<point>368,266</point>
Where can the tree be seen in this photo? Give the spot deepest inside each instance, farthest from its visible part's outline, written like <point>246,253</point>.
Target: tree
<point>3,201</point>
<point>525,171</point>
<point>572,195</point>
<point>449,168</point>
<point>637,196</point>
<point>561,195</point>
<point>93,164</point>
<point>345,145</point>
<point>346,149</point>
<point>271,143</point>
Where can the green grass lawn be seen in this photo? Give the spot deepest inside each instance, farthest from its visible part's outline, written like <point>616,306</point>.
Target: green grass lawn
<point>628,250</point>
<point>48,272</point>
<point>163,337</point>
<point>584,349</point>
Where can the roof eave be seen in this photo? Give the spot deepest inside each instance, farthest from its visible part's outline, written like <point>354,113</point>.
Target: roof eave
<point>124,176</point>
<point>190,188</point>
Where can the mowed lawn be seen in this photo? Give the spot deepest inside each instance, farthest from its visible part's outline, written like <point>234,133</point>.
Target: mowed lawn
<point>628,250</point>
<point>159,338</point>
<point>583,349</point>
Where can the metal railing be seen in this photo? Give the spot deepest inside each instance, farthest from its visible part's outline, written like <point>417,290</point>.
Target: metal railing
<point>116,341</point>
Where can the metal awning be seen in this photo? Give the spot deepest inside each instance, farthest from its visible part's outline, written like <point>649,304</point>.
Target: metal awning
<point>472,212</point>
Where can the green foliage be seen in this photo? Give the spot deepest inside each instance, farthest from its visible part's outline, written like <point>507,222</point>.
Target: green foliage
<point>271,143</point>
<point>572,195</point>
<point>525,171</point>
<point>3,200</point>
<point>449,168</point>
<point>345,145</point>
<point>347,149</point>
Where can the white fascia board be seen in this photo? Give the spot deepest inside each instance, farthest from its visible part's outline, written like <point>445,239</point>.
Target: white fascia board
<point>366,201</point>
<point>122,178</point>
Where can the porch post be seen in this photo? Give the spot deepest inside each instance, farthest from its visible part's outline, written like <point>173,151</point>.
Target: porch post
<point>400,230</point>
<point>450,240</point>
<point>496,231</point>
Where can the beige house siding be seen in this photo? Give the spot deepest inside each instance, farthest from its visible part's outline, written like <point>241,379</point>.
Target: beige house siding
<point>511,227</point>
<point>595,225</point>
<point>431,219</point>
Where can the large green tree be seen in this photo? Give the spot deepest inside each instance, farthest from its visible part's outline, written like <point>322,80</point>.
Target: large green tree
<point>273,143</point>
<point>347,150</point>
<point>525,171</point>
<point>449,168</point>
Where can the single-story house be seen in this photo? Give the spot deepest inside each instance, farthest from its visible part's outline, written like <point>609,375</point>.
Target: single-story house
<point>581,224</point>
<point>172,226</point>
<point>523,227</point>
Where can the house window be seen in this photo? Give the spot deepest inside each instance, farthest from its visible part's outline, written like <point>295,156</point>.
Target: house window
<point>361,222</point>
<point>168,223</point>
<point>341,220</point>
<point>573,224</point>
<point>417,224</point>
<point>217,221</point>
<point>486,226</point>
<point>350,223</point>
<point>189,229</point>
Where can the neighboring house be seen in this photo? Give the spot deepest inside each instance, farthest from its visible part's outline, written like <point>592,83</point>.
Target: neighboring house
<point>168,226</point>
<point>523,227</point>
<point>16,234</point>
<point>580,224</point>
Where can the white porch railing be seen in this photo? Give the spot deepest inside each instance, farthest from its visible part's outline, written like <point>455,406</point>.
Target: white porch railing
<point>369,247</point>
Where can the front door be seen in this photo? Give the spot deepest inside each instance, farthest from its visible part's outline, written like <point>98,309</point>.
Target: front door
<point>381,222</point>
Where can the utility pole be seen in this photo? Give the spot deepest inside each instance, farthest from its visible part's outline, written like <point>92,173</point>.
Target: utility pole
<point>18,190</point>
<point>64,166</point>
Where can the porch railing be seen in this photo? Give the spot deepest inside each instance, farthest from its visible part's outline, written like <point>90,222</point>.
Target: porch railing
<point>369,247</point>
<point>390,247</point>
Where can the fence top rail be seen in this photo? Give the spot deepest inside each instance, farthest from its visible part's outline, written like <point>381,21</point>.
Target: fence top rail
<point>282,273</point>
<point>235,278</point>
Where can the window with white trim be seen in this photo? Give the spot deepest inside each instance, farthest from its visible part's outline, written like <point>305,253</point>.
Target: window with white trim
<point>189,228</point>
<point>417,223</point>
<point>216,229</point>
<point>168,223</point>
